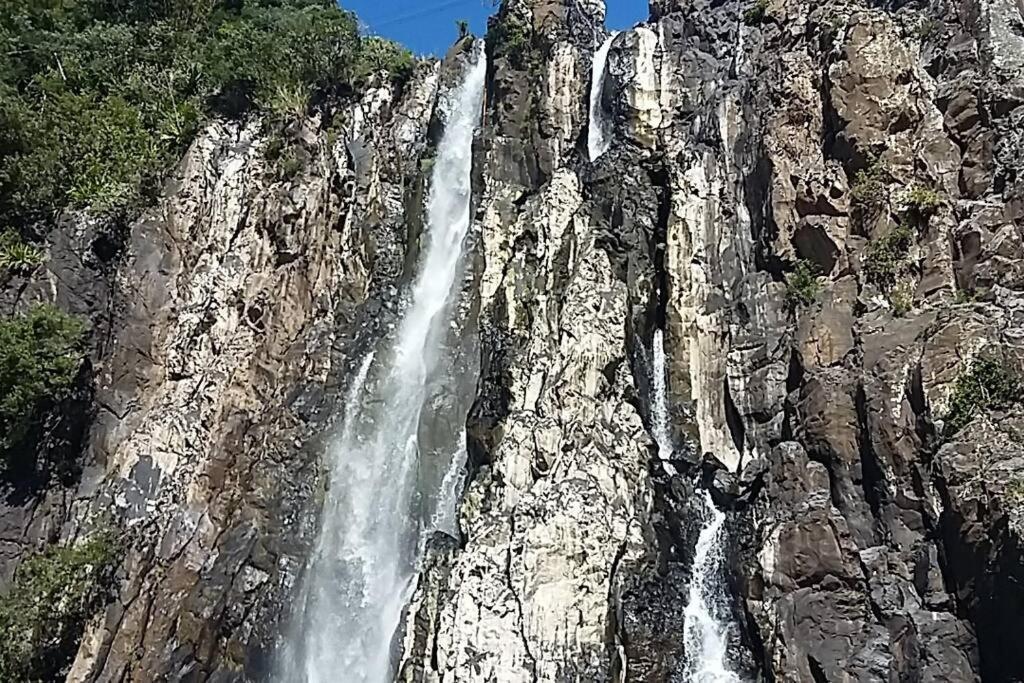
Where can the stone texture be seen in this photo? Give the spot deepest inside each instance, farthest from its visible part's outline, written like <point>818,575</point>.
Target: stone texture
<point>865,542</point>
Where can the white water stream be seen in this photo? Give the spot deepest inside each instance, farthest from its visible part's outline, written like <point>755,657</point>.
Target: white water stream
<point>706,617</point>
<point>599,131</point>
<point>388,488</point>
<point>659,406</point>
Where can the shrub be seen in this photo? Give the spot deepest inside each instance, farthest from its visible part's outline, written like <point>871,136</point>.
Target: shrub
<point>869,186</point>
<point>902,300</point>
<point>40,353</point>
<point>755,14</point>
<point>17,256</point>
<point>510,36</point>
<point>463,27</point>
<point>886,256</point>
<point>802,285</point>
<point>987,385</point>
<point>383,56</point>
<point>928,27</point>
<point>921,201</point>
<point>53,595</point>
<point>98,97</point>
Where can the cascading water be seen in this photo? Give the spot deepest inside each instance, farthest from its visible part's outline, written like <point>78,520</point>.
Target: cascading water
<point>659,406</point>
<point>600,127</point>
<point>705,620</point>
<point>385,492</point>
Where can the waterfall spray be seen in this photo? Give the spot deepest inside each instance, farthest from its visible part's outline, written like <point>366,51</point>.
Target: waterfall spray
<point>364,566</point>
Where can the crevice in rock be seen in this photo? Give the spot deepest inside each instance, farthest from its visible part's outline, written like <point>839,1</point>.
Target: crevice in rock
<point>872,474</point>
<point>515,596</point>
<point>733,419</point>
<point>817,672</point>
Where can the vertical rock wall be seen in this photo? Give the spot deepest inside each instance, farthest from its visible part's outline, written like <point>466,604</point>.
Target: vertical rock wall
<point>751,140</point>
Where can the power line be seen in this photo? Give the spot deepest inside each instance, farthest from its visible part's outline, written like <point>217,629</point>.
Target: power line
<point>422,12</point>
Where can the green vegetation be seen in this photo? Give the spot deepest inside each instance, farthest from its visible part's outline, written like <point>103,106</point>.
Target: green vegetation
<point>886,256</point>
<point>869,186</point>
<point>43,615</point>
<point>16,255</point>
<point>928,27</point>
<point>988,385</point>
<point>756,13</point>
<point>921,201</point>
<point>98,97</point>
<point>510,36</point>
<point>902,300</point>
<point>463,26</point>
<point>40,354</point>
<point>802,285</point>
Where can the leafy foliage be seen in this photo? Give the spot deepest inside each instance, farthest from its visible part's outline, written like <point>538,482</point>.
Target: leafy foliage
<point>16,255</point>
<point>869,186</point>
<point>886,256</point>
<point>988,385</point>
<point>755,14</point>
<point>802,285</point>
<point>902,300</point>
<point>922,201</point>
<point>40,353</point>
<point>510,36</point>
<point>98,97</point>
<point>43,615</point>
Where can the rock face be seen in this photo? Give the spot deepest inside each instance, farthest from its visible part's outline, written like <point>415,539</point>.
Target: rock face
<point>876,149</point>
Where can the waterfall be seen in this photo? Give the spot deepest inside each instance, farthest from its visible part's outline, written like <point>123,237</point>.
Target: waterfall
<point>387,486</point>
<point>599,131</point>
<point>705,621</point>
<point>659,406</point>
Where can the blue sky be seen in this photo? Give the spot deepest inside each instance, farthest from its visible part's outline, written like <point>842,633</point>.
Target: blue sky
<point>428,26</point>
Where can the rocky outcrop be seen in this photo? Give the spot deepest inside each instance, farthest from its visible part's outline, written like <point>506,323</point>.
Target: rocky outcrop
<point>875,148</point>
<point>222,340</point>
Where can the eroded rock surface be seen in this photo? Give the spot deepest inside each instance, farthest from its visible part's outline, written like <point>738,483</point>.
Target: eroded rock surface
<point>877,148</point>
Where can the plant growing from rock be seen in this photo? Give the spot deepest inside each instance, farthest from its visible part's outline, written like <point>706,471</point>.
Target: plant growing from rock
<point>802,285</point>
<point>869,186</point>
<point>53,595</point>
<point>886,255</point>
<point>16,255</point>
<point>511,37</point>
<point>902,299</point>
<point>928,27</point>
<point>989,384</point>
<point>921,201</point>
<point>755,14</point>
<point>40,354</point>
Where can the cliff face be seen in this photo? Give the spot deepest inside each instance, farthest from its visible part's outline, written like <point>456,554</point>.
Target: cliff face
<point>875,530</point>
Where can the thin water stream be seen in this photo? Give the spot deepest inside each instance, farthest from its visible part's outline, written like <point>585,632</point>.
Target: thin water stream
<point>599,132</point>
<point>706,617</point>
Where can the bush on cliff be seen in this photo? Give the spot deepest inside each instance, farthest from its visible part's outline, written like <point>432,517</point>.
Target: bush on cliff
<point>886,255</point>
<point>98,97</point>
<point>988,385</point>
<point>510,36</point>
<point>53,595</point>
<point>40,354</point>
<point>802,285</point>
